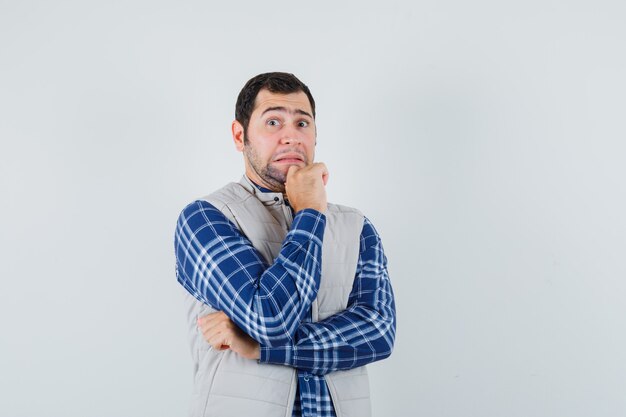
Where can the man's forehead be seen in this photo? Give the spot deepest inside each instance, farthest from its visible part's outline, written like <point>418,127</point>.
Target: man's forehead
<point>291,102</point>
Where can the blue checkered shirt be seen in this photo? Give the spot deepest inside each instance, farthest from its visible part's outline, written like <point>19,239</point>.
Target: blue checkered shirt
<point>218,265</point>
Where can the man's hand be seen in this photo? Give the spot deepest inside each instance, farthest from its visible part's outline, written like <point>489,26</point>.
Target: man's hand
<point>305,187</point>
<point>221,333</point>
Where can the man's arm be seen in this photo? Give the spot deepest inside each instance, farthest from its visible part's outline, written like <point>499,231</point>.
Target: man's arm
<point>361,334</point>
<point>219,266</point>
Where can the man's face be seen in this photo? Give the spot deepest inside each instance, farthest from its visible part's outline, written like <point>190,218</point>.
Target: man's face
<point>281,133</point>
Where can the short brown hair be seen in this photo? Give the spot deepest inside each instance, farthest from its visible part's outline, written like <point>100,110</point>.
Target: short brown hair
<point>274,82</point>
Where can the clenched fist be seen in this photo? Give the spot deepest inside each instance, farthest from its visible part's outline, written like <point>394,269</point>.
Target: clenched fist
<point>221,333</point>
<point>305,187</point>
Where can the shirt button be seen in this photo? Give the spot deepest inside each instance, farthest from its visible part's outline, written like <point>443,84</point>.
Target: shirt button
<point>306,377</point>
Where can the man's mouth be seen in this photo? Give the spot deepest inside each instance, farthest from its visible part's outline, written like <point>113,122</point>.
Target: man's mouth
<point>289,158</point>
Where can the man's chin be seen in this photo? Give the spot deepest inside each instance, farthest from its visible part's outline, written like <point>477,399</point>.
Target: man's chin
<point>277,171</point>
<point>277,175</point>
<point>282,168</point>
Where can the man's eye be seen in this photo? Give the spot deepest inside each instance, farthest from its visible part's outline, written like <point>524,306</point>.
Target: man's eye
<point>303,123</point>
<point>272,122</point>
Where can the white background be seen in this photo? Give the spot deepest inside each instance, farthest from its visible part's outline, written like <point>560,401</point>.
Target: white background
<point>484,139</point>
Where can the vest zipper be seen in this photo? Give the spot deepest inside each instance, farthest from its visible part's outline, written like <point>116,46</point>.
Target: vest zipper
<point>288,215</point>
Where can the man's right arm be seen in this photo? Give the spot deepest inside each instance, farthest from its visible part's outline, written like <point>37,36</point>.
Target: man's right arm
<point>362,333</point>
<point>219,266</point>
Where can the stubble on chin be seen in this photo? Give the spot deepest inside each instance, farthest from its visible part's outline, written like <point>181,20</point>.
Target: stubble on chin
<point>274,176</point>
<point>271,175</point>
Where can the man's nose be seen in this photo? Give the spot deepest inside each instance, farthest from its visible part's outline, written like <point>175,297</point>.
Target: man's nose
<point>290,135</point>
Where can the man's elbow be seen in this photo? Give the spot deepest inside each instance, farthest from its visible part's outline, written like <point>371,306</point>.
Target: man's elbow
<point>389,338</point>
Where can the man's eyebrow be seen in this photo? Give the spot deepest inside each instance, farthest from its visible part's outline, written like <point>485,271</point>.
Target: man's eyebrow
<point>281,108</point>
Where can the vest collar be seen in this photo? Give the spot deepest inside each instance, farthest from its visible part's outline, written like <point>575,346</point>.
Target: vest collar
<point>267,198</point>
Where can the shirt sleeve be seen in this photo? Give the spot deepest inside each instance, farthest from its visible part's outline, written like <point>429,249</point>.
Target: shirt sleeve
<point>363,333</point>
<point>219,266</point>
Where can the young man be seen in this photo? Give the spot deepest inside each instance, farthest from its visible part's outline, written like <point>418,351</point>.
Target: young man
<point>288,296</point>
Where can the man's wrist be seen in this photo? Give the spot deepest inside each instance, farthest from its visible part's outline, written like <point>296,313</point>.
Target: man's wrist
<point>308,222</point>
<point>257,352</point>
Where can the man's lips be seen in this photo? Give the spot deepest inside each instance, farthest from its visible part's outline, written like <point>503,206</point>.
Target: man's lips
<point>289,158</point>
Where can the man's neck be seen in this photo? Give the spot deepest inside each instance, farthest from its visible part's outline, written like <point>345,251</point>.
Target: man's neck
<point>267,190</point>
<point>260,187</point>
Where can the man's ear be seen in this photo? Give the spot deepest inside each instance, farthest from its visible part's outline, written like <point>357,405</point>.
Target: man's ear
<point>237,131</point>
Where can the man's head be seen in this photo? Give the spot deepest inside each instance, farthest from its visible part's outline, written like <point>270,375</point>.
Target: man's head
<point>274,127</point>
<point>274,82</point>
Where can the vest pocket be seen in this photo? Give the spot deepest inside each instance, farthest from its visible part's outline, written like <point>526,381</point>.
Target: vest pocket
<point>208,363</point>
<point>242,387</point>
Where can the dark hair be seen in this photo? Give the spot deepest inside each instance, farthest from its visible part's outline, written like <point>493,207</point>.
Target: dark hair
<point>275,82</point>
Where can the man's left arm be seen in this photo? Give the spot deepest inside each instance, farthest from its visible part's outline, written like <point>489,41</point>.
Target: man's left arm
<point>363,333</point>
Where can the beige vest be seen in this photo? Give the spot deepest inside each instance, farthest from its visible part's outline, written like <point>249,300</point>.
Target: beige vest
<point>225,384</point>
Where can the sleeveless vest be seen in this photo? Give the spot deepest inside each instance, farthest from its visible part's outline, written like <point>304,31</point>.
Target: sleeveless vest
<point>225,384</point>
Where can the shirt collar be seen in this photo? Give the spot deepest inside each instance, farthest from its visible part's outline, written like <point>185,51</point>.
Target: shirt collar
<point>267,197</point>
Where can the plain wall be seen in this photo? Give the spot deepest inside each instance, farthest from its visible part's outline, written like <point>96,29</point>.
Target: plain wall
<point>485,140</point>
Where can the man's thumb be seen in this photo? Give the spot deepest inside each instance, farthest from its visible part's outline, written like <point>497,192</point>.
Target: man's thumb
<point>291,170</point>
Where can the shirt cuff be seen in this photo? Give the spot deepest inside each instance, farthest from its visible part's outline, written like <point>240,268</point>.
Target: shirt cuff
<point>308,225</point>
<point>277,355</point>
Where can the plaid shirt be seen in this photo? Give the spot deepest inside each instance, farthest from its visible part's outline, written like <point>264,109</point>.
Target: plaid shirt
<point>218,265</point>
